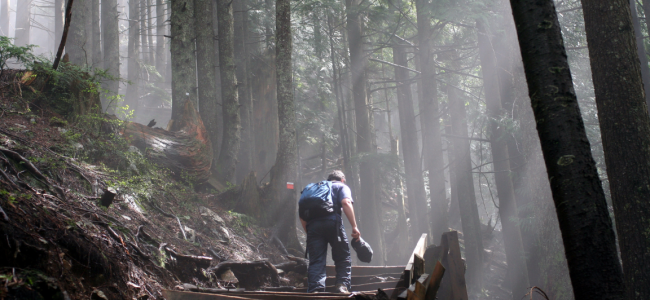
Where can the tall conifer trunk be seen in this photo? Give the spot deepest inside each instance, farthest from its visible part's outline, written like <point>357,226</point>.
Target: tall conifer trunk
<point>161,31</point>
<point>587,232</point>
<point>246,150</point>
<point>151,51</point>
<point>133,61</point>
<point>410,149</point>
<point>461,163</point>
<point>144,41</point>
<point>59,8</point>
<point>430,124</point>
<point>78,46</point>
<point>23,22</point>
<point>285,169</point>
<point>231,120</point>
<point>625,131</point>
<point>111,47</point>
<point>4,18</point>
<point>517,271</point>
<point>206,62</point>
<point>643,58</point>
<point>96,35</point>
<point>183,58</point>
<point>367,201</point>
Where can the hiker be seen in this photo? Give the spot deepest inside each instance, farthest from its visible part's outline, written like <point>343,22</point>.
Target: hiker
<point>329,229</point>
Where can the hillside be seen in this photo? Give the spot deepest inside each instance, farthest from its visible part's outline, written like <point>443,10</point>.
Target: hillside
<point>59,242</point>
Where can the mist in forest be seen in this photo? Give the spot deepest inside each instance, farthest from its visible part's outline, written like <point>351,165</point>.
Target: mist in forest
<point>423,104</point>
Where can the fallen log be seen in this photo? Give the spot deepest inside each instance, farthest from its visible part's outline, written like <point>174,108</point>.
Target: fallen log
<point>185,149</point>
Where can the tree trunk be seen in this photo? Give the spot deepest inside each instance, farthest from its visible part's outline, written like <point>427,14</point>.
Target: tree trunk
<point>144,41</point>
<point>4,18</point>
<point>462,168</point>
<point>410,150</point>
<point>77,46</point>
<point>132,90</point>
<point>590,244</point>
<point>206,67</point>
<point>229,94</point>
<point>430,124</point>
<point>23,22</point>
<point>285,168</point>
<point>183,58</point>
<point>161,31</point>
<point>643,58</point>
<point>517,271</point>
<point>111,47</point>
<point>59,10</point>
<point>367,200</point>
<point>246,150</point>
<point>96,35</point>
<point>150,50</point>
<point>625,130</point>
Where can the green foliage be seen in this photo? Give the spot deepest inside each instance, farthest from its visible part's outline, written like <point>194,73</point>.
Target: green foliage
<point>9,51</point>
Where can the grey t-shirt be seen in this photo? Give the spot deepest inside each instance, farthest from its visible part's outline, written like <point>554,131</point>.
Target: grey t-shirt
<point>340,191</point>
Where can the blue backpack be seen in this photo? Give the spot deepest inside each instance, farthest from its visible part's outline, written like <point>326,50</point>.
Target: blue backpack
<point>316,201</point>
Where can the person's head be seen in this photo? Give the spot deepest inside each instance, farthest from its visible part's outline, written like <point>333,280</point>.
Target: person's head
<point>336,175</point>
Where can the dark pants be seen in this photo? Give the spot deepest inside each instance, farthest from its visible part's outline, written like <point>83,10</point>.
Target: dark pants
<point>319,234</point>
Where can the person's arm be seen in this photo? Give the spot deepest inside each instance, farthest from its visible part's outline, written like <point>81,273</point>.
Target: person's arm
<point>304,224</point>
<point>346,204</point>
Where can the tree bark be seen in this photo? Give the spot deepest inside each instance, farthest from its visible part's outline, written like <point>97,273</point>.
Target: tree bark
<point>229,94</point>
<point>517,271</point>
<point>462,168</point>
<point>4,18</point>
<point>367,200</point>
<point>183,58</point>
<point>144,41</point>
<point>59,18</point>
<point>96,35</point>
<point>132,96</point>
<point>150,50</point>
<point>23,22</point>
<point>410,150</point>
<point>430,124</point>
<point>78,47</point>
<point>161,31</point>
<point>285,168</point>
<point>206,67</point>
<point>246,150</point>
<point>643,58</point>
<point>625,130</point>
<point>111,47</point>
<point>587,232</point>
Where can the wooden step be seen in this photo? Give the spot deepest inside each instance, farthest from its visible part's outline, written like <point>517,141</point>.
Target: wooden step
<point>368,270</point>
<point>360,287</point>
<point>178,295</point>
<point>331,280</point>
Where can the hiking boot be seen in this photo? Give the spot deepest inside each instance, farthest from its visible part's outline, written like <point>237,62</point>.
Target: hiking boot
<point>341,288</point>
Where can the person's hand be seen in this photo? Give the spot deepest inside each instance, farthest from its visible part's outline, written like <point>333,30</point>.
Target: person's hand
<point>355,233</point>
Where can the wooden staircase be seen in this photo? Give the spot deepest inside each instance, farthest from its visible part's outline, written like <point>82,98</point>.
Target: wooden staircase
<point>408,282</point>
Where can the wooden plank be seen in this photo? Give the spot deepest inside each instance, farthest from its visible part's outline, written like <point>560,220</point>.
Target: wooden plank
<point>367,270</point>
<point>331,280</point>
<point>360,287</point>
<point>407,277</point>
<point>434,281</point>
<point>178,295</point>
<point>459,289</point>
<point>419,288</point>
<point>418,266</point>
